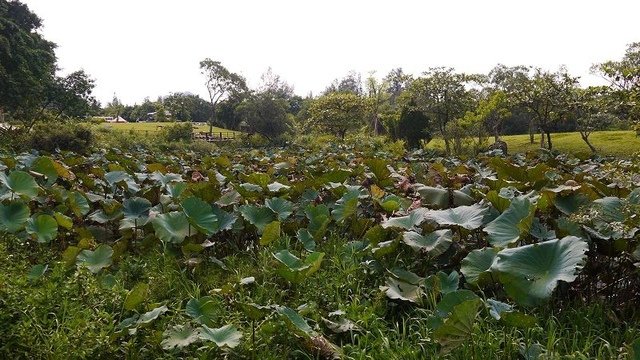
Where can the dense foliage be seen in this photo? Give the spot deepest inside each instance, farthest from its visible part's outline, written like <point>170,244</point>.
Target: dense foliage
<point>262,241</point>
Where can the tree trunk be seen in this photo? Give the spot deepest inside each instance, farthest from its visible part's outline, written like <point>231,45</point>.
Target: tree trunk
<point>585,137</point>
<point>531,132</point>
<point>549,139</point>
<point>541,138</point>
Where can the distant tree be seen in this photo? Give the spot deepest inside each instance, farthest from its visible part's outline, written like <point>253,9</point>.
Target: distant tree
<point>351,83</point>
<point>511,80</point>
<point>220,83</point>
<point>272,84</point>
<point>547,96</point>
<point>377,102</point>
<point>27,63</point>
<point>491,112</point>
<point>140,112</point>
<point>338,112</point>
<point>443,96</point>
<point>624,79</point>
<point>70,96</point>
<point>161,112</point>
<point>397,81</point>
<point>265,114</point>
<point>180,105</point>
<point>591,108</point>
<point>413,126</point>
<point>114,108</point>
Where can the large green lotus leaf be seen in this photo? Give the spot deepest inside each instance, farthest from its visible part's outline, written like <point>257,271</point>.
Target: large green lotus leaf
<point>151,315</point>
<point>271,233</point>
<point>171,227</point>
<point>346,206</point>
<point>379,168</point>
<point>468,217</point>
<point>434,244</point>
<point>257,178</point>
<point>136,296</point>
<point>20,183</point>
<point>610,209</point>
<point>257,216</point>
<point>408,222</point>
<point>225,219</point>
<point>281,207</point>
<point>530,273</point>
<point>450,300</point>
<point>396,289</point>
<point>319,218</point>
<point>115,177</point>
<point>439,197</point>
<point>276,187</point>
<point>229,198</point>
<point>254,311</point>
<point>516,221</point>
<point>43,227</point>
<point>497,308</point>
<point>95,260</point>
<point>296,270</point>
<point>136,208</point>
<point>165,179</point>
<point>296,320</point>
<point>477,264</point>
<point>200,215</point>
<point>63,220</point>
<point>204,310</point>
<point>176,189</point>
<point>226,336</point>
<point>570,204</point>
<point>46,166</point>
<point>305,237</point>
<point>179,336</point>
<point>458,327</point>
<point>13,216</point>
<point>78,204</point>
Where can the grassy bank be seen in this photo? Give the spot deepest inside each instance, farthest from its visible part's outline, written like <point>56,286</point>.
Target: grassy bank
<point>153,127</point>
<point>609,143</point>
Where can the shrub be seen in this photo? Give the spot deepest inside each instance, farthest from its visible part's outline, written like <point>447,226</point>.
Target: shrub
<point>66,136</point>
<point>179,132</point>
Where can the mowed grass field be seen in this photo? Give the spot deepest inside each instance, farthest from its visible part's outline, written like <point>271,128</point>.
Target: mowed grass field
<point>609,143</point>
<point>156,126</point>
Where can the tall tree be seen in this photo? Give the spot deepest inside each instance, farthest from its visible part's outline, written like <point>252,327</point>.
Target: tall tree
<point>377,101</point>
<point>624,79</point>
<point>548,98</point>
<point>220,83</point>
<point>397,81</point>
<point>443,96</point>
<point>338,112</point>
<point>591,108</point>
<point>271,83</point>
<point>350,83</point>
<point>70,96</point>
<point>265,114</point>
<point>27,63</point>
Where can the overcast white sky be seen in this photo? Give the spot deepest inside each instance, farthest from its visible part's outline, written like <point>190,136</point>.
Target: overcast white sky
<point>140,48</point>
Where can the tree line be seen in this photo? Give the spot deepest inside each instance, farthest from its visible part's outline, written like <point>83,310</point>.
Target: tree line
<point>462,109</point>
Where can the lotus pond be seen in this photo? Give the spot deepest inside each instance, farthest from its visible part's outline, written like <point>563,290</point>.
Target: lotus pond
<point>348,251</point>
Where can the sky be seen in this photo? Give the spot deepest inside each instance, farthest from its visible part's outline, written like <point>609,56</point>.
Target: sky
<point>149,48</point>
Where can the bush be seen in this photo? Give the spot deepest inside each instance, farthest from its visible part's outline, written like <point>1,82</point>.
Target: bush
<point>66,136</point>
<point>179,132</point>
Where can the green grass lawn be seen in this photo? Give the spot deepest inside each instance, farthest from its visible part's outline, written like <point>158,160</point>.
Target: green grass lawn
<point>156,126</point>
<point>614,143</point>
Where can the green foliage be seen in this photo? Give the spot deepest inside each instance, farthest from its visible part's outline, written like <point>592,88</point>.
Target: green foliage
<point>413,126</point>
<point>66,136</point>
<point>337,113</point>
<point>179,132</point>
